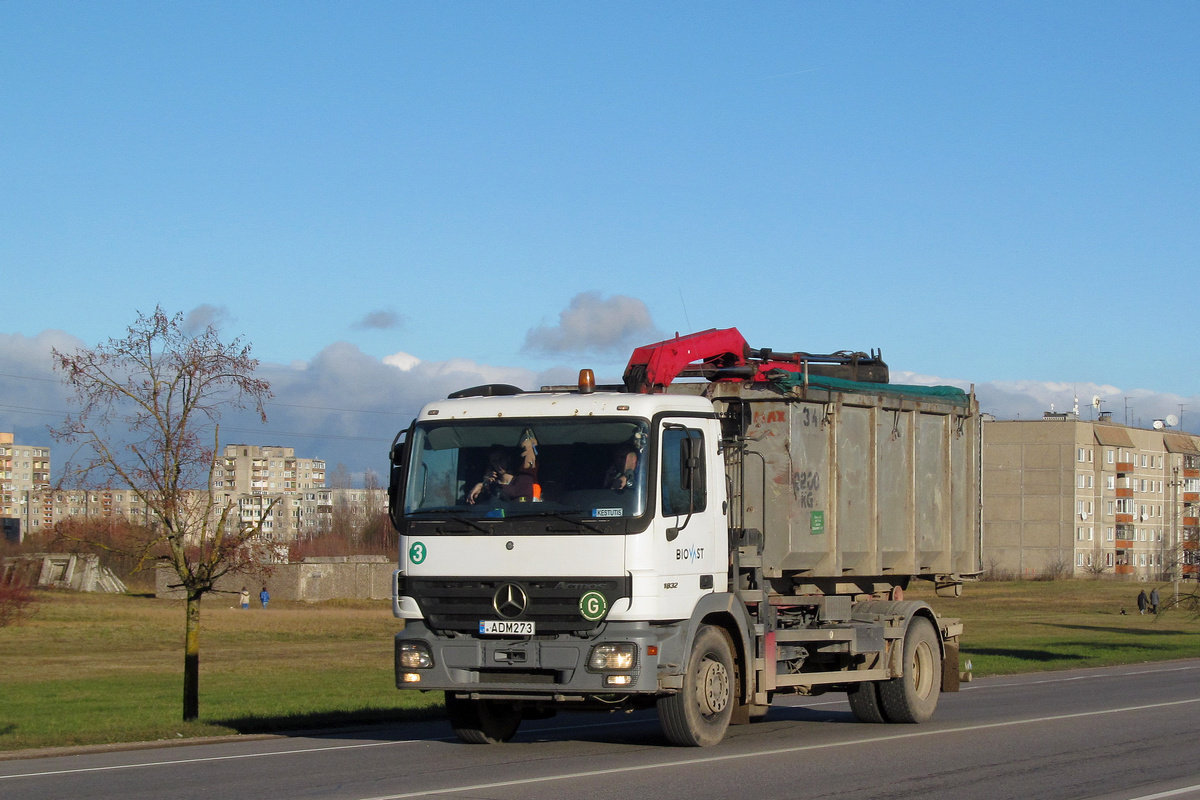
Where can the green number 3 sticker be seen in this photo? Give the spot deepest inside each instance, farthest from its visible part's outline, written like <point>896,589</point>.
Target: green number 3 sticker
<point>417,552</point>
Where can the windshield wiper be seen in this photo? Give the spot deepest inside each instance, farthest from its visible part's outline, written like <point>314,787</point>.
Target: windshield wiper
<point>455,518</point>
<point>565,518</point>
<point>472,524</point>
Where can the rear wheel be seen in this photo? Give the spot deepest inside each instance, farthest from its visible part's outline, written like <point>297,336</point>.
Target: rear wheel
<point>699,714</point>
<point>864,702</point>
<point>483,721</point>
<point>913,696</point>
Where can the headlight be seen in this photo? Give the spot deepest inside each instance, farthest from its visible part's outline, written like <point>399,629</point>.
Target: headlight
<point>605,657</point>
<point>413,655</point>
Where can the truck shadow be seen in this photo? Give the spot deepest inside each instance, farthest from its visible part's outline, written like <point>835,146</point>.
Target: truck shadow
<point>1037,656</point>
<point>1155,632</point>
<point>638,729</point>
<point>337,722</point>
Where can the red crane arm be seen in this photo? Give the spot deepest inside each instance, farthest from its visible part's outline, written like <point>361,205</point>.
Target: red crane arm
<point>652,367</point>
<point>723,355</point>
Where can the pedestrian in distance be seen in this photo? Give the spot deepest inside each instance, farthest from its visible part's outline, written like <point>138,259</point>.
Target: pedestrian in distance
<point>1154,600</point>
<point>244,597</point>
<point>1142,602</point>
<point>265,597</point>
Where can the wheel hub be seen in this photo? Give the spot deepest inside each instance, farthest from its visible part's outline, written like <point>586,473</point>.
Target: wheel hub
<point>714,687</point>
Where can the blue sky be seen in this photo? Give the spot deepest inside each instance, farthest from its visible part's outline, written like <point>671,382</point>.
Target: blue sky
<point>998,194</point>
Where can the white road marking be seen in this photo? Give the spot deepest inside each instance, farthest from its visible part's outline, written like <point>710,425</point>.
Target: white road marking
<point>1169,793</point>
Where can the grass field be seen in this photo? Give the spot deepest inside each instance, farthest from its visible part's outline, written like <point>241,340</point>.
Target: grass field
<point>89,669</point>
<point>93,668</point>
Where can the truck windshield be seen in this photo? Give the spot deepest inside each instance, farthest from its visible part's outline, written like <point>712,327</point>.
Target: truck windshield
<point>577,468</point>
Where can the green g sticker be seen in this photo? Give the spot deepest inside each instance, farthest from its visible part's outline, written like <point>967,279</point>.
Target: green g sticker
<point>592,606</point>
<point>817,522</point>
<point>417,552</point>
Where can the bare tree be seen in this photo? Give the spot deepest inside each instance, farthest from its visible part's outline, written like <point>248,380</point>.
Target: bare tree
<point>166,389</point>
<point>342,523</point>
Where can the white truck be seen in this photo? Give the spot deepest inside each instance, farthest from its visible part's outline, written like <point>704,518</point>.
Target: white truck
<point>727,526</point>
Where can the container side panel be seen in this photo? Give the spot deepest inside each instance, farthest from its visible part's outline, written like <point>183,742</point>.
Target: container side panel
<point>931,488</point>
<point>854,521</point>
<point>897,526</point>
<point>802,460</point>
<point>768,433</point>
<point>966,558</point>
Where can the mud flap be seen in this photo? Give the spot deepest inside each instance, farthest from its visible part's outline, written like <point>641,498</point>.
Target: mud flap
<point>950,673</point>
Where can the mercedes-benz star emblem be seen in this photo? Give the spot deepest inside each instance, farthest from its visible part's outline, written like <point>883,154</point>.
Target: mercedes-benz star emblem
<point>510,601</point>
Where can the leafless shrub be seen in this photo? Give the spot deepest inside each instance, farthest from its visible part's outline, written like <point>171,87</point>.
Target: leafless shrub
<point>17,597</point>
<point>1054,570</point>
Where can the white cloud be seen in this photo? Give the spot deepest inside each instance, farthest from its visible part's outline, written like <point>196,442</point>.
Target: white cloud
<point>593,324</point>
<point>404,362</point>
<point>1031,399</point>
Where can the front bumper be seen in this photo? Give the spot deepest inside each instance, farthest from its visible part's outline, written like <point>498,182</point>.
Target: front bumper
<point>554,667</point>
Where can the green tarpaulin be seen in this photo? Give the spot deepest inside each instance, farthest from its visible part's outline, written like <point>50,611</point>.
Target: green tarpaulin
<point>783,381</point>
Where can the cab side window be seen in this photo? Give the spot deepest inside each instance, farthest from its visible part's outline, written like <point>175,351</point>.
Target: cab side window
<point>683,470</point>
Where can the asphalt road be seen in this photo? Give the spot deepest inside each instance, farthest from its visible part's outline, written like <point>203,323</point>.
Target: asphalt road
<point>1125,733</point>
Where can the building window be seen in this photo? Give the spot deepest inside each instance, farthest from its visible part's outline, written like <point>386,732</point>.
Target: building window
<point>1111,482</point>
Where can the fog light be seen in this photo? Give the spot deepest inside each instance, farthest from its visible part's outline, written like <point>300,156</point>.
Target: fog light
<point>618,680</point>
<point>410,677</point>
<point>606,657</point>
<point>413,655</point>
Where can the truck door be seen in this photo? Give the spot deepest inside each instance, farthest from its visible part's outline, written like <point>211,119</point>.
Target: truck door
<point>690,558</point>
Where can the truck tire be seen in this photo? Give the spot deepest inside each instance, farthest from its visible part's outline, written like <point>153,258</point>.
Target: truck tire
<point>864,702</point>
<point>483,721</point>
<point>698,715</point>
<point>913,696</point>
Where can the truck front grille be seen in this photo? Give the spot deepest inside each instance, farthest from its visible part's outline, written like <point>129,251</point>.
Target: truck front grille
<point>456,604</point>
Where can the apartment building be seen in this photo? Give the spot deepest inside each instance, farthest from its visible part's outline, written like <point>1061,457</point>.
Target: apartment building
<point>1065,495</point>
<point>249,469</point>
<point>270,482</point>
<point>24,478</point>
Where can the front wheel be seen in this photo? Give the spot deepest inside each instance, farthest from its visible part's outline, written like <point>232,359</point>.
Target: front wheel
<point>698,715</point>
<point>913,696</point>
<point>483,721</point>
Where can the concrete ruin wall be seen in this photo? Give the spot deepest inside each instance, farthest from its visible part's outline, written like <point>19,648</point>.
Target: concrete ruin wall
<point>83,573</point>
